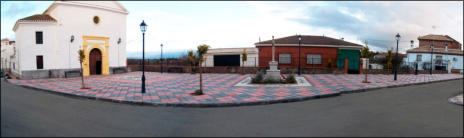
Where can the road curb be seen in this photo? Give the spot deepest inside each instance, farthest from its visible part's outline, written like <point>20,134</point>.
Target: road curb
<point>394,86</point>
<point>296,99</point>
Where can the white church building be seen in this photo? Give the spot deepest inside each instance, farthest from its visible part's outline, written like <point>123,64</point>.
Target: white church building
<point>47,44</point>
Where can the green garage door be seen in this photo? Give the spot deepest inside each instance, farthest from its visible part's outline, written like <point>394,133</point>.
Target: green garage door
<point>353,59</point>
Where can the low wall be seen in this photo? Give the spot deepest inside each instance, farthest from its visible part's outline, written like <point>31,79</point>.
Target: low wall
<point>247,70</point>
<point>59,73</point>
<point>390,71</point>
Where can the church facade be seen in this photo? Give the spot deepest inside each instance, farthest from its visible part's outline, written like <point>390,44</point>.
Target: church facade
<point>48,43</point>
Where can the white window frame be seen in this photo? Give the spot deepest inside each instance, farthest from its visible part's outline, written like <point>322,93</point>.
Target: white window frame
<point>310,59</point>
<point>282,59</point>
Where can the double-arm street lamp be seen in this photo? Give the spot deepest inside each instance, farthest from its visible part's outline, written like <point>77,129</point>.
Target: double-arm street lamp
<point>161,59</point>
<point>143,28</point>
<point>396,57</point>
<point>299,54</point>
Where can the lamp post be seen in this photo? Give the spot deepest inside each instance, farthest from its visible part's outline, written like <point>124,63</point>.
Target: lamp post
<point>161,58</point>
<point>69,51</point>
<point>119,42</point>
<point>396,57</point>
<point>431,60</point>
<point>299,54</point>
<point>143,28</point>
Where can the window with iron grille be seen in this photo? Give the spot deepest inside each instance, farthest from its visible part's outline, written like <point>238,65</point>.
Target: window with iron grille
<point>39,37</point>
<point>438,59</point>
<point>419,58</point>
<point>314,59</point>
<point>285,59</point>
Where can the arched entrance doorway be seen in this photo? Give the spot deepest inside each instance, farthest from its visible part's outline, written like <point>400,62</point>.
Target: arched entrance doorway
<point>95,59</point>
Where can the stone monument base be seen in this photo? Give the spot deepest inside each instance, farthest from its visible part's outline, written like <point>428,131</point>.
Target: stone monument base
<point>273,74</point>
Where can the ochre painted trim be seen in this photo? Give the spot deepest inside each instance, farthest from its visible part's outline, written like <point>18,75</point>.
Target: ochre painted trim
<point>99,46</point>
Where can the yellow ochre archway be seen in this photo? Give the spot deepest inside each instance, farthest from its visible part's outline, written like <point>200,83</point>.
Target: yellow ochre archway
<point>100,43</point>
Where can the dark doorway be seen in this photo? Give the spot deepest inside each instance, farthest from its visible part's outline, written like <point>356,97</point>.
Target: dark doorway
<point>226,60</point>
<point>95,60</point>
<point>99,64</point>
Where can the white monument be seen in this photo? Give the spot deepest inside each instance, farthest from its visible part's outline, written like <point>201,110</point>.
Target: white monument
<point>273,74</point>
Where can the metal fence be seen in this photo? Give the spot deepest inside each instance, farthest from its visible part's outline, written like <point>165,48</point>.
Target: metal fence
<point>309,65</point>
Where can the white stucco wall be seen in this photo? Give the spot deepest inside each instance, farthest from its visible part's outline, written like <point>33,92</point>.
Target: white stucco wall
<point>252,57</point>
<point>112,25</point>
<point>57,50</point>
<point>455,64</point>
<point>28,49</point>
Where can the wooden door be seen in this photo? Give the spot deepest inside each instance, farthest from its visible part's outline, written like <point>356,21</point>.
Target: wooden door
<point>95,57</point>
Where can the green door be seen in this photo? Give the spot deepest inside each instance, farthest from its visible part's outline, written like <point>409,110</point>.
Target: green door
<point>353,59</point>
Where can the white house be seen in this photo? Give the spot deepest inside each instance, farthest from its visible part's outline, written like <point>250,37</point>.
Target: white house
<point>447,53</point>
<point>48,43</point>
<point>231,57</point>
<point>7,55</point>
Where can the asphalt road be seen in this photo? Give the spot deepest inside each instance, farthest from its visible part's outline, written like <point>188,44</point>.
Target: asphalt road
<point>420,110</point>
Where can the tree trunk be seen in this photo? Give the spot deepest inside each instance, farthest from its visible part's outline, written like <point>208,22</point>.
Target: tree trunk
<point>365,79</point>
<point>82,76</point>
<point>201,79</point>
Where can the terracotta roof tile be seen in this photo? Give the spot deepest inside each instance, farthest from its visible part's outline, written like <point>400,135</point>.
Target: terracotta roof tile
<point>437,37</point>
<point>310,40</point>
<point>38,17</point>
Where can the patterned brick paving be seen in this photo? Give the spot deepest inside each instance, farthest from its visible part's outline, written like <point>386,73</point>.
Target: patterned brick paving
<point>457,99</point>
<point>218,88</point>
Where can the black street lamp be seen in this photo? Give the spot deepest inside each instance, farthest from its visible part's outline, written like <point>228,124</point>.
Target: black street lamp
<point>161,58</point>
<point>431,60</point>
<point>143,28</point>
<point>396,57</point>
<point>299,54</point>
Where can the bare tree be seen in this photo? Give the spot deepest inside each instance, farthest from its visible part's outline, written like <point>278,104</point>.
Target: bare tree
<point>201,51</point>
<point>81,60</point>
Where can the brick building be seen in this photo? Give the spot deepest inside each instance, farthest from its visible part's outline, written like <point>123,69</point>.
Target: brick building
<point>316,51</point>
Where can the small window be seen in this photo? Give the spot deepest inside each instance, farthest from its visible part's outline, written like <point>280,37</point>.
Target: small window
<point>419,58</point>
<point>14,66</point>
<point>96,20</point>
<point>285,59</point>
<point>39,37</point>
<point>39,60</point>
<point>314,59</point>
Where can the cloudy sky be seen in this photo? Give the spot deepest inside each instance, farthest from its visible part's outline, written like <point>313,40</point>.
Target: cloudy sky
<point>181,26</point>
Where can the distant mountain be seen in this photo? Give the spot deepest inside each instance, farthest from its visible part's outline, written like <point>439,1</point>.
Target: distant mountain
<point>153,55</point>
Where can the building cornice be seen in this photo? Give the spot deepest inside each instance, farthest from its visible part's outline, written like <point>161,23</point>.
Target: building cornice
<point>122,10</point>
<point>15,27</point>
<point>309,45</point>
<point>443,53</point>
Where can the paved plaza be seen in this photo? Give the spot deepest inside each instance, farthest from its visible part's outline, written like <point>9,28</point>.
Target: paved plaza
<point>220,90</point>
